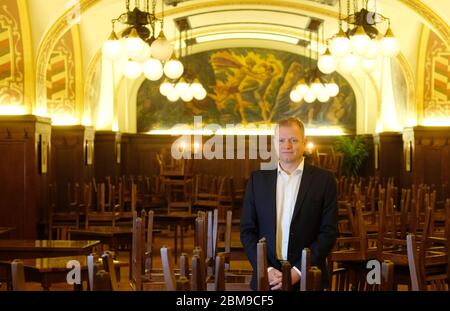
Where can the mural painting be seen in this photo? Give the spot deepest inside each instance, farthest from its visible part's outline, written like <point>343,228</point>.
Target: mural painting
<point>245,86</point>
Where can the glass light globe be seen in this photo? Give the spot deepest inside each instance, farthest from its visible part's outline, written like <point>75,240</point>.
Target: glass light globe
<point>317,87</point>
<point>348,63</point>
<point>309,97</point>
<point>340,44</point>
<point>369,64</point>
<point>360,41</point>
<point>161,48</point>
<point>153,69</point>
<point>165,88</point>
<point>144,55</point>
<point>302,88</point>
<point>181,87</point>
<point>201,94</point>
<point>327,63</point>
<point>112,48</point>
<point>323,97</point>
<point>187,95</point>
<point>173,69</point>
<point>372,49</point>
<point>196,87</point>
<point>173,96</point>
<point>134,46</point>
<point>389,45</point>
<point>332,89</point>
<point>295,96</point>
<point>132,69</point>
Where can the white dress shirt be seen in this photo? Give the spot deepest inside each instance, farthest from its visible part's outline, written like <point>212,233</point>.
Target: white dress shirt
<point>287,191</point>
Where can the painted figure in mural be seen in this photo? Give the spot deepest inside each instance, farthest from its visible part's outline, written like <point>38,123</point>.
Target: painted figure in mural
<point>293,207</point>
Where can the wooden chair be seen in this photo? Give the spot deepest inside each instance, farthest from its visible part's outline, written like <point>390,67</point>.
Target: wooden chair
<point>261,272</point>
<point>17,275</point>
<point>311,276</point>
<point>422,277</point>
<point>62,219</point>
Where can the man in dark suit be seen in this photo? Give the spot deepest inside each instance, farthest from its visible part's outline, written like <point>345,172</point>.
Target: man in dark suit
<point>293,207</point>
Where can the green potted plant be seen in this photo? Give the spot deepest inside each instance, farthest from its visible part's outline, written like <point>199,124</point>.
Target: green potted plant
<point>354,151</point>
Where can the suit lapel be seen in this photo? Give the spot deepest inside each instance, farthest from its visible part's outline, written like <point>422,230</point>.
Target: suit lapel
<point>272,211</point>
<point>304,186</point>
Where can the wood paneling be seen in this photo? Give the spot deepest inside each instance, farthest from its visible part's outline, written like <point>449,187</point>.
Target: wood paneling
<point>430,155</point>
<point>23,187</point>
<point>72,150</point>
<point>107,155</point>
<point>390,160</point>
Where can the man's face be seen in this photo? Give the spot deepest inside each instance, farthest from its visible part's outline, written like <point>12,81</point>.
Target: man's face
<point>291,144</point>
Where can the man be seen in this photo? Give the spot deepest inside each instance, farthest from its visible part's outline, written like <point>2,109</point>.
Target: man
<point>293,207</point>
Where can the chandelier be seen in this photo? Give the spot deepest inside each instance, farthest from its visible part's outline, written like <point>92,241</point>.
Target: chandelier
<point>361,44</point>
<point>186,87</point>
<point>314,85</point>
<point>138,45</point>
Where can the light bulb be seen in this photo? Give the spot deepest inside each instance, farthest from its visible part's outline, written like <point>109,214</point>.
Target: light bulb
<point>372,49</point>
<point>340,44</point>
<point>161,48</point>
<point>112,48</point>
<point>132,69</point>
<point>389,45</point>
<point>332,89</point>
<point>317,87</point>
<point>368,64</point>
<point>196,87</point>
<point>187,95</point>
<point>323,97</point>
<point>302,88</point>
<point>360,41</point>
<point>327,63</point>
<point>295,96</point>
<point>309,97</point>
<point>181,86</point>
<point>173,96</point>
<point>144,55</point>
<point>165,88</point>
<point>201,94</point>
<point>153,69</point>
<point>134,46</point>
<point>173,69</point>
<point>349,63</point>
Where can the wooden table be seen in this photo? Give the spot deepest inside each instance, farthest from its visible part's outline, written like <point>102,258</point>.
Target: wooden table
<point>6,230</point>
<point>114,237</point>
<point>54,270</point>
<point>179,220</point>
<point>22,249</point>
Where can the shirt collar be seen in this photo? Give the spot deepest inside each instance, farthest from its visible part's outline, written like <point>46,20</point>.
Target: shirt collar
<point>297,171</point>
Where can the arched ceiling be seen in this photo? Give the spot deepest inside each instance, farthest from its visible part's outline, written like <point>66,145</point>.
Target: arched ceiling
<point>284,18</point>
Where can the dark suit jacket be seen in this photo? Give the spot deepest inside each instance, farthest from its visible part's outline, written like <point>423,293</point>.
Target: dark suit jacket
<point>313,225</point>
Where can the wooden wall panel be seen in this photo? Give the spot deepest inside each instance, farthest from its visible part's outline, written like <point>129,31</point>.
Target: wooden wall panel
<point>390,159</point>
<point>429,149</point>
<point>107,155</point>
<point>72,159</point>
<point>23,186</point>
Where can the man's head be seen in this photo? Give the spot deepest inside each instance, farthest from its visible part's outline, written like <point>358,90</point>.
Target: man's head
<point>290,142</point>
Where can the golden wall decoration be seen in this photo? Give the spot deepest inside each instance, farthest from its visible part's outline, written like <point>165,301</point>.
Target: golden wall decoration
<point>60,79</point>
<point>11,55</point>
<point>436,97</point>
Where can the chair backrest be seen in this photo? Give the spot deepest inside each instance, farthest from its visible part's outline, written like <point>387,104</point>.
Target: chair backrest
<point>18,275</point>
<point>311,276</point>
<point>169,277</point>
<point>286,278</point>
<point>261,272</point>
<point>108,265</point>
<point>136,253</point>
<point>219,275</point>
